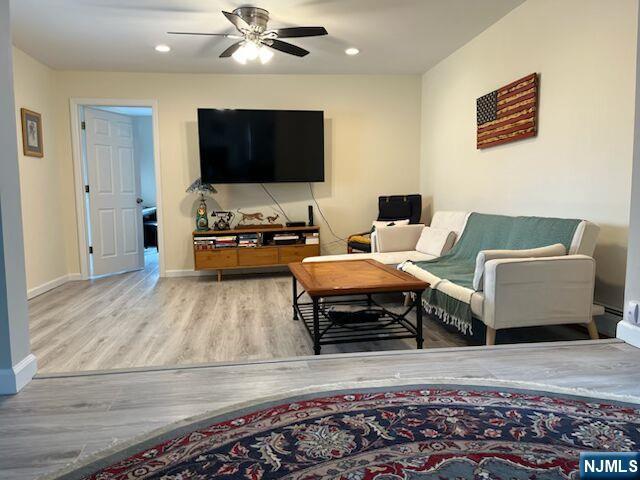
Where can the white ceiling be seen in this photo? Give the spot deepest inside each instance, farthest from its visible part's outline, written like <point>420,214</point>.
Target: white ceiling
<point>394,36</point>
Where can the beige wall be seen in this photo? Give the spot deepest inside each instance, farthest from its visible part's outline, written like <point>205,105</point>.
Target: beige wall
<point>372,144</point>
<point>40,178</point>
<point>580,163</point>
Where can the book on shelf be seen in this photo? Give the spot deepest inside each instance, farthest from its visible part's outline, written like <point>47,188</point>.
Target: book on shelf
<point>248,242</point>
<point>285,236</point>
<point>226,245</point>
<point>203,245</point>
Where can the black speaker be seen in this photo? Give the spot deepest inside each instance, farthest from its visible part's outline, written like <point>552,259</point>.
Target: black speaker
<point>311,215</point>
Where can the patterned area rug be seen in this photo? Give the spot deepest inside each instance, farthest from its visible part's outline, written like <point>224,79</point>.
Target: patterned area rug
<point>413,433</point>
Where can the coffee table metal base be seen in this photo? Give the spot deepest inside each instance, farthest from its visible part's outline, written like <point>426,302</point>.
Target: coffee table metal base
<point>325,329</point>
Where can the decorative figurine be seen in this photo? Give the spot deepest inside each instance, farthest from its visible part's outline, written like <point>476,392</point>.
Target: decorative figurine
<point>202,222</point>
<point>258,216</point>
<point>223,221</point>
<point>273,218</point>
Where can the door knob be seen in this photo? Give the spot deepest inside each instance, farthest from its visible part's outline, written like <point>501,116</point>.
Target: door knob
<point>139,200</point>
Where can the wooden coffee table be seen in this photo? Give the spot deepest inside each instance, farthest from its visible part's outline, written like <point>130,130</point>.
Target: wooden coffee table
<point>331,320</point>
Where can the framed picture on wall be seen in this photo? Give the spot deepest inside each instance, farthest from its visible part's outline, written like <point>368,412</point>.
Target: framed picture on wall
<point>31,133</point>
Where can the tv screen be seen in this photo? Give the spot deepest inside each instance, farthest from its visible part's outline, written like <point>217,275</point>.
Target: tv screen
<point>261,146</point>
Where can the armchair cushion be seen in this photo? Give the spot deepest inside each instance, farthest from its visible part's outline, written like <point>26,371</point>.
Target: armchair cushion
<point>435,241</point>
<point>360,239</point>
<point>486,255</point>
<point>392,207</point>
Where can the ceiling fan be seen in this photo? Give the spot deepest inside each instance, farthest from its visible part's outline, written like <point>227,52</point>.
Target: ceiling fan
<point>255,40</point>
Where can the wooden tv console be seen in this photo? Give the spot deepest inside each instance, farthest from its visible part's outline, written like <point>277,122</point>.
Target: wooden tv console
<point>266,254</point>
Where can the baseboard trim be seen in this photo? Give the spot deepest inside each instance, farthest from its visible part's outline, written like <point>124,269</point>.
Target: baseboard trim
<point>608,322</point>
<point>12,380</point>
<point>629,333</point>
<point>50,285</point>
<point>229,272</point>
<point>190,273</point>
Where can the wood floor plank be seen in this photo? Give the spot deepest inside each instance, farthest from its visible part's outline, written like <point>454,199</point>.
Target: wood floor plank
<point>138,319</point>
<point>60,419</point>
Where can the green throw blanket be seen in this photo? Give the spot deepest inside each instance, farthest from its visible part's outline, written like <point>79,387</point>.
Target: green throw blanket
<point>487,232</point>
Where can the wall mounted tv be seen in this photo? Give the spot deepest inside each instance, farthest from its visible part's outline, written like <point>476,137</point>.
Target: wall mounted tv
<point>261,146</point>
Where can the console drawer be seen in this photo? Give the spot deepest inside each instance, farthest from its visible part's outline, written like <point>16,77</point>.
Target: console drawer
<point>211,259</point>
<point>257,256</point>
<point>295,253</point>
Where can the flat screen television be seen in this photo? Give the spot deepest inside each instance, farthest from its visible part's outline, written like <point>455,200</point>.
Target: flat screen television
<point>261,146</point>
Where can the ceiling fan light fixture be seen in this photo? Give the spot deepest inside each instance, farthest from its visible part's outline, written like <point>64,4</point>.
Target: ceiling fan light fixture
<point>265,54</point>
<point>240,56</point>
<point>251,50</point>
<point>352,51</point>
<point>255,38</point>
<point>163,48</point>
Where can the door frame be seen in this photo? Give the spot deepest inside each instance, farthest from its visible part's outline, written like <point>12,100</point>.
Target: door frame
<point>79,173</point>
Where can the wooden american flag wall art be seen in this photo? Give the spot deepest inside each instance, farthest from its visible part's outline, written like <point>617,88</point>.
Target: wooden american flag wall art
<point>508,113</point>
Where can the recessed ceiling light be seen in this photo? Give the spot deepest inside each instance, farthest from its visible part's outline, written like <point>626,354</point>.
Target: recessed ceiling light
<point>352,51</point>
<point>163,48</point>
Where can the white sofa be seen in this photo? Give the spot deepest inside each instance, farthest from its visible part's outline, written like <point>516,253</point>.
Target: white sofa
<point>394,245</point>
<point>516,292</point>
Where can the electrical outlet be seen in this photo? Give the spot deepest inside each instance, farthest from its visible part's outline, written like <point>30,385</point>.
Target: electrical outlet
<point>633,312</point>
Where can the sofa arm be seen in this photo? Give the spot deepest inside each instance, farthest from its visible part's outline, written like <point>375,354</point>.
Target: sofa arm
<point>485,256</point>
<point>400,238</point>
<point>524,292</point>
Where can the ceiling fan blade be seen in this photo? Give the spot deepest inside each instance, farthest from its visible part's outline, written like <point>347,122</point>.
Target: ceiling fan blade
<point>287,48</point>
<point>226,35</point>
<point>237,21</point>
<point>231,50</point>
<point>296,32</point>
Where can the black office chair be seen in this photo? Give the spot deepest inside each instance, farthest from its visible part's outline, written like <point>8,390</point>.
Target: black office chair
<point>390,208</point>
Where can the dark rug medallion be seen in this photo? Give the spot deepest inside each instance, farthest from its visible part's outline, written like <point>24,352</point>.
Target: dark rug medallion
<point>427,432</point>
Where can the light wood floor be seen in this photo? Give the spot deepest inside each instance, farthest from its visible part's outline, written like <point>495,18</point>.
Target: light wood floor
<point>59,419</point>
<point>138,319</point>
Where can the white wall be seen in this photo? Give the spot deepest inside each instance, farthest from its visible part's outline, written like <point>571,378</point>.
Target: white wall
<point>580,163</point>
<point>17,365</point>
<point>372,148</point>
<point>143,147</point>
<point>632,291</point>
<point>372,126</point>
<point>40,180</point>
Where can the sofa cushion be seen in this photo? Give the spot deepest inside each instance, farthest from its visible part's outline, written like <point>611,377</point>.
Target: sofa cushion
<point>485,255</point>
<point>388,258</point>
<point>452,221</point>
<point>435,241</point>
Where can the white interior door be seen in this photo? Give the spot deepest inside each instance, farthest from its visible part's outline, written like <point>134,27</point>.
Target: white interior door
<point>114,191</point>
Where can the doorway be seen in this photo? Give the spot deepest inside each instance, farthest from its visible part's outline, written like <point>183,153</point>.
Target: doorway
<point>118,197</point>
